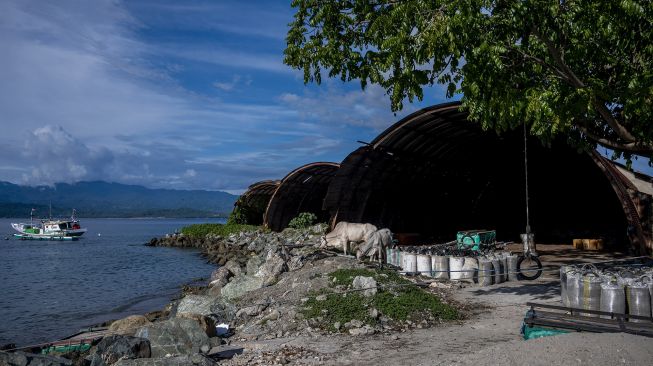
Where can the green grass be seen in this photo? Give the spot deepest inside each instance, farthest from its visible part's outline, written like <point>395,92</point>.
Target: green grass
<point>400,300</point>
<point>201,230</point>
<point>345,277</point>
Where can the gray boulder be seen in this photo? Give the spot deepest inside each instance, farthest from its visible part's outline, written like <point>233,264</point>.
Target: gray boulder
<point>115,347</point>
<point>129,325</point>
<point>274,265</point>
<point>220,277</point>
<point>241,285</point>
<point>233,267</point>
<point>253,265</point>
<point>177,336</point>
<point>24,359</point>
<point>194,360</point>
<point>196,304</point>
<point>367,283</point>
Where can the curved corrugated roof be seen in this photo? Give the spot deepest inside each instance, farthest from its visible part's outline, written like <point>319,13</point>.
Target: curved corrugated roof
<point>435,154</point>
<point>302,190</point>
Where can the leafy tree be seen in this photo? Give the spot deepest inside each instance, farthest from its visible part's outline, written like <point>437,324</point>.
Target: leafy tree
<point>582,69</point>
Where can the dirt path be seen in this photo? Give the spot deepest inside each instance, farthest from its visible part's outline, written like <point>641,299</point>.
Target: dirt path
<point>490,336</point>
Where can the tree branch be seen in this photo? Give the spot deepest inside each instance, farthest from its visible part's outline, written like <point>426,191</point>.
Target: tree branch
<point>574,81</point>
<point>634,147</point>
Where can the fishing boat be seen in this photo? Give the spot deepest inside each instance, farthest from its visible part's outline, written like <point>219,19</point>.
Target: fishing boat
<point>49,229</point>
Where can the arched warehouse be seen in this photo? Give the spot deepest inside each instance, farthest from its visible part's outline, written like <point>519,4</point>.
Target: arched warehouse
<point>255,200</point>
<point>435,173</point>
<point>302,190</point>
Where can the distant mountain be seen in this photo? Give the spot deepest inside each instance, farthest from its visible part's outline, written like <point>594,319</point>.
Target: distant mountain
<point>102,199</point>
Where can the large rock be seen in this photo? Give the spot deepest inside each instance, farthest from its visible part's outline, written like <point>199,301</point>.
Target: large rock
<point>115,347</point>
<point>220,277</point>
<point>177,336</point>
<point>24,359</point>
<point>206,323</point>
<point>233,267</point>
<point>129,325</point>
<point>196,304</point>
<point>194,360</point>
<point>274,265</point>
<point>253,265</point>
<point>367,284</point>
<point>241,285</point>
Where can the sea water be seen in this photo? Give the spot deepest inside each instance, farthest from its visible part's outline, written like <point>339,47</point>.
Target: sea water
<point>49,289</point>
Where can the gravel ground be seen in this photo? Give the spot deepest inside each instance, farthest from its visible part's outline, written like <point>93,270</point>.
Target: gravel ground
<point>490,336</point>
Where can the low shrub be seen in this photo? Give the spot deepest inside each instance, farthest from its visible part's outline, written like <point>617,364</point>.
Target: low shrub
<point>202,230</point>
<point>303,220</point>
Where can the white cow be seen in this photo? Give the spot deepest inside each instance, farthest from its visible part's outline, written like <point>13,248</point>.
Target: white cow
<point>374,247</point>
<point>345,233</point>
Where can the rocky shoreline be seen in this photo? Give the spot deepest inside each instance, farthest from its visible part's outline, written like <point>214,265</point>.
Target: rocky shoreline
<point>259,291</point>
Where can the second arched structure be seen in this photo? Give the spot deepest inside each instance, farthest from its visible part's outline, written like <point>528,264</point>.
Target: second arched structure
<point>302,190</point>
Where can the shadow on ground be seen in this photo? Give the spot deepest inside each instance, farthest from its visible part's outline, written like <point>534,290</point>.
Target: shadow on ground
<point>536,290</point>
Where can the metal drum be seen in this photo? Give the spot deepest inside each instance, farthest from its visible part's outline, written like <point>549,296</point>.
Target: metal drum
<point>590,292</point>
<point>573,288</point>
<point>613,298</point>
<point>563,283</point>
<point>639,300</point>
<point>440,267</point>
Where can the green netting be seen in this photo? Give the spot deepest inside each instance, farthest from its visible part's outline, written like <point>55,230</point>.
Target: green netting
<point>539,332</point>
<point>474,238</point>
<point>66,348</point>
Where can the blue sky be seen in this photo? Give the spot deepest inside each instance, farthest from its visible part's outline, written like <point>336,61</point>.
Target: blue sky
<point>174,94</point>
<point>168,94</point>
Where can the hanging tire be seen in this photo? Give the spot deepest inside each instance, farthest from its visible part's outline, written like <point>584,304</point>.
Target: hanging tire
<point>532,268</point>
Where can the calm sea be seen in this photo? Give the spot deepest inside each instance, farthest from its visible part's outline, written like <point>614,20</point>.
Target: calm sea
<point>49,290</point>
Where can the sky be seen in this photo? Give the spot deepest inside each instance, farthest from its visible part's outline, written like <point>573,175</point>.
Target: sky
<point>169,94</point>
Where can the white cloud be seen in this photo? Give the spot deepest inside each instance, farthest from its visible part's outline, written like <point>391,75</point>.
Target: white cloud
<point>333,105</point>
<point>233,83</point>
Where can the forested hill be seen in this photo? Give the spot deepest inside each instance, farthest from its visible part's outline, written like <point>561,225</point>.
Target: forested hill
<point>102,199</point>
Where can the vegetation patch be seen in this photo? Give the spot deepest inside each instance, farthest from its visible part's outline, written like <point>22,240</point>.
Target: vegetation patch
<point>303,220</point>
<point>345,277</point>
<point>397,300</point>
<point>202,230</point>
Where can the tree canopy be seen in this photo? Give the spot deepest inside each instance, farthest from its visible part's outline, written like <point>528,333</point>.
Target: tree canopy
<point>579,69</point>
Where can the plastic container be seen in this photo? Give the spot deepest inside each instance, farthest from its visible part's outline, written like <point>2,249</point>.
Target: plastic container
<point>485,272</point>
<point>440,267</point>
<point>590,292</point>
<point>512,267</point>
<point>613,298</point>
<point>424,265</point>
<point>638,298</point>
<point>409,263</point>
<point>497,265</point>
<point>470,268</point>
<point>455,267</point>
